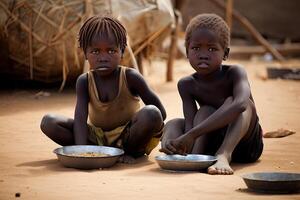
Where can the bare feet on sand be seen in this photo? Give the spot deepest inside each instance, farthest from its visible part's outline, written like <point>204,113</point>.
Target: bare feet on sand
<point>221,166</point>
<point>127,159</point>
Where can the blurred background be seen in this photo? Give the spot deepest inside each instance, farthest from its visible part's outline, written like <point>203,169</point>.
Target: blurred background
<point>38,39</point>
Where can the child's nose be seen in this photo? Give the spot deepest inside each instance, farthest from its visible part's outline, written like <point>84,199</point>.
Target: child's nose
<point>203,56</point>
<point>102,58</point>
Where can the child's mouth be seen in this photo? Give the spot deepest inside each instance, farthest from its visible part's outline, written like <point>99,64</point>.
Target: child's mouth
<point>102,68</point>
<point>203,65</point>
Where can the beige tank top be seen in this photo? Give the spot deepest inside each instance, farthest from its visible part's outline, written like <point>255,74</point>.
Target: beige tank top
<point>119,111</point>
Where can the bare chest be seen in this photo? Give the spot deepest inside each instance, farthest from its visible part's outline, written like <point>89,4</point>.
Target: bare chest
<point>107,89</point>
<point>213,93</point>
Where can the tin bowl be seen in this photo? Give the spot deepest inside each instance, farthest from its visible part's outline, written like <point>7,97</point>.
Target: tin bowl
<point>80,156</point>
<point>190,162</point>
<point>273,182</point>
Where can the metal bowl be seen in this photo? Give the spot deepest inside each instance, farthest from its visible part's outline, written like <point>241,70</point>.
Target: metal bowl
<point>190,162</point>
<point>273,182</point>
<point>67,156</point>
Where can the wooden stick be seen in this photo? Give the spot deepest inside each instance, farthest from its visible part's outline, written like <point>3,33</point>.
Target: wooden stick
<point>40,14</point>
<point>30,47</point>
<point>23,26</point>
<point>252,31</point>
<point>39,51</point>
<point>150,39</point>
<point>139,60</point>
<point>173,48</point>
<point>65,68</point>
<point>284,49</point>
<point>76,57</point>
<point>65,31</point>
<point>88,8</point>
<point>132,57</point>
<point>229,7</point>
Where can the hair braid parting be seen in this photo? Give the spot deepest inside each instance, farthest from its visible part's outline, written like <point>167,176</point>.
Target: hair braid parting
<point>99,26</point>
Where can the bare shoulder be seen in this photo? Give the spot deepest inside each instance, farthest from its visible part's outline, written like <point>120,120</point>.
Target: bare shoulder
<point>185,83</point>
<point>136,82</point>
<point>82,82</point>
<point>133,76</point>
<point>235,72</point>
<point>235,69</point>
<point>82,77</point>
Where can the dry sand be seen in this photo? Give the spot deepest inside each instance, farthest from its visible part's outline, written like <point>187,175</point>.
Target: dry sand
<point>30,168</point>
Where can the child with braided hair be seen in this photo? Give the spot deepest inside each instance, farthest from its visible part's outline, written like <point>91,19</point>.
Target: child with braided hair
<point>107,108</point>
<point>226,123</point>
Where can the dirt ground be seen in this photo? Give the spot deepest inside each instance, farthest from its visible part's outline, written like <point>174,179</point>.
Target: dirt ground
<point>29,168</point>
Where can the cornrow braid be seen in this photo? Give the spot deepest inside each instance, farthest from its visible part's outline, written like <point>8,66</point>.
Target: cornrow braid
<point>97,26</point>
<point>212,22</point>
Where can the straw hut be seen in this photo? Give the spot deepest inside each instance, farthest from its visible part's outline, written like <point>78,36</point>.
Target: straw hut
<point>39,38</point>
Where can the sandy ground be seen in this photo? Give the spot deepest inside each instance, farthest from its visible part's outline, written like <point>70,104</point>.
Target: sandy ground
<point>29,167</point>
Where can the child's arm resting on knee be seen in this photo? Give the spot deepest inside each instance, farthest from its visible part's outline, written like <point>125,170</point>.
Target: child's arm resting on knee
<point>232,107</point>
<point>80,127</point>
<point>138,87</point>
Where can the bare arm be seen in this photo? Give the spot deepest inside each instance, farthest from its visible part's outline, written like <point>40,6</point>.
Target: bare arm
<point>188,103</point>
<point>139,87</point>
<point>80,127</point>
<point>228,112</point>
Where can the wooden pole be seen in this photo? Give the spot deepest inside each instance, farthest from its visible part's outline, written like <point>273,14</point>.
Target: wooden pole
<point>30,47</point>
<point>229,7</point>
<point>172,54</point>
<point>252,31</point>
<point>284,49</point>
<point>173,47</point>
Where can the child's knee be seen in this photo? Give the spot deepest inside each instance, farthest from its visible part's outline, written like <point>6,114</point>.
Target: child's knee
<point>153,114</point>
<point>203,113</point>
<point>47,122</point>
<point>175,121</point>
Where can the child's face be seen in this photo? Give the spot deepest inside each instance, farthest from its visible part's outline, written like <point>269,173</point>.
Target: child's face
<point>103,55</point>
<point>205,52</point>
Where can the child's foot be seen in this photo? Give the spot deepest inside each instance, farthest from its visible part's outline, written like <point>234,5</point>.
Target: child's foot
<point>127,159</point>
<point>221,166</point>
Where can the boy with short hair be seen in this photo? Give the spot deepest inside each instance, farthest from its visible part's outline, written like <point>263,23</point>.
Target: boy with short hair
<point>226,124</point>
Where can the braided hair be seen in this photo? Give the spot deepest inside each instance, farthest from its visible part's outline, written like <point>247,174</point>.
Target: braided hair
<point>212,22</point>
<point>99,26</point>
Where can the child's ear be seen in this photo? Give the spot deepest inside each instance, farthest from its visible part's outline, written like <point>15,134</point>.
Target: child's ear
<point>226,53</point>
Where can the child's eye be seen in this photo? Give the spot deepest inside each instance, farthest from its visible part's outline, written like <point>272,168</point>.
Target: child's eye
<point>196,48</point>
<point>95,51</point>
<point>212,49</point>
<point>112,51</point>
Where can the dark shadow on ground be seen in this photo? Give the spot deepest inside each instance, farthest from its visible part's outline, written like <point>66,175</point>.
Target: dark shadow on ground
<point>239,166</point>
<point>262,193</point>
<point>37,168</point>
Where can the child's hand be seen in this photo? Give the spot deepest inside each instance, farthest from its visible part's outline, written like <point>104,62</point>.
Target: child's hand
<point>181,145</point>
<point>168,148</point>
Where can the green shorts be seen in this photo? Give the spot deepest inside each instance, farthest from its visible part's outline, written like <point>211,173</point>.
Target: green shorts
<point>118,137</point>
